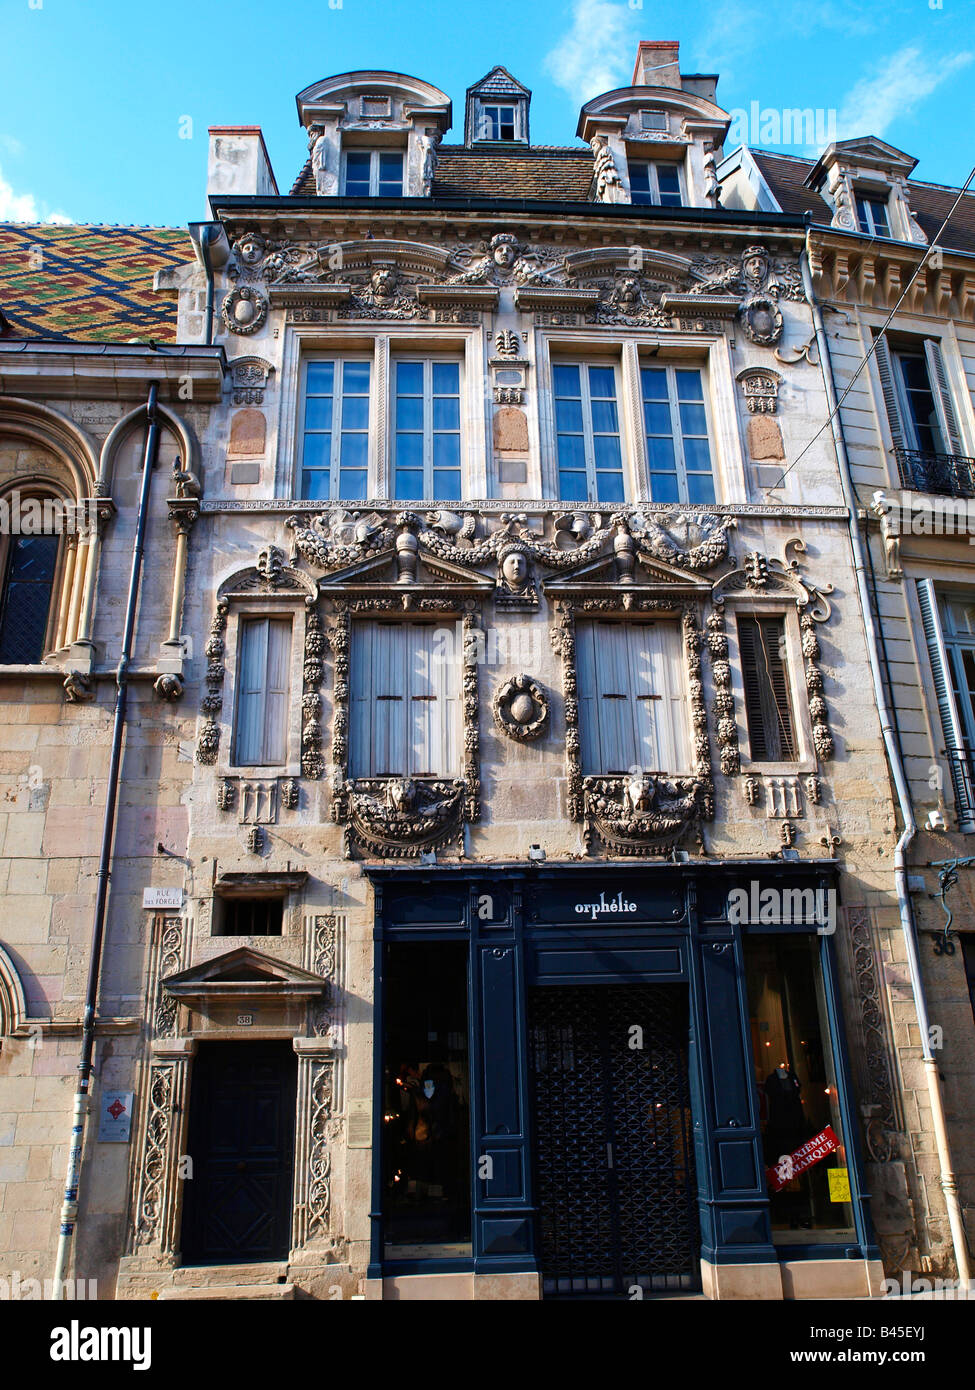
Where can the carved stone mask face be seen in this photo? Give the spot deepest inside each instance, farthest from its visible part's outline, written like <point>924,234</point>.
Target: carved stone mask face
<point>754,268</point>
<point>251,250</point>
<point>504,255</point>
<point>515,569</point>
<point>383,282</point>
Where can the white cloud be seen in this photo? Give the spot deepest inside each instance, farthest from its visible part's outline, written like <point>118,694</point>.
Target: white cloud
<point>24,207</point>
<point>894,89</point>
<point>596,54</point>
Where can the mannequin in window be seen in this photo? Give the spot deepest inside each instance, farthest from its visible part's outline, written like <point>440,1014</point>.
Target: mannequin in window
<point>786,1129</point>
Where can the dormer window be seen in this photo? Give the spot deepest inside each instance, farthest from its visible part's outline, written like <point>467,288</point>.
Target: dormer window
<point>497,109</point>
<point>656,184</point>
<point>373,174</point>
<point>499,122</point>
<point>872,216</point>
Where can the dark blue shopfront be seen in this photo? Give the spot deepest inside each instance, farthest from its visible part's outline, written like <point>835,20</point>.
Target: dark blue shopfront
<point>592,1074</point>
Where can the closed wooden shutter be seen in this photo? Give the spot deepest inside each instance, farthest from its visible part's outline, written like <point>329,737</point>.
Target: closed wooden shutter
<point>942,396</point>
<point>404,702</point>
<point>263,685</point>
<point>951,723</point>
<point>632,705</point>
<point>886,369</point>
<point>768,707</point>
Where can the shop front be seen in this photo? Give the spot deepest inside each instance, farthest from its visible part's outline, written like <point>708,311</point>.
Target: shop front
<point>613,1083</point>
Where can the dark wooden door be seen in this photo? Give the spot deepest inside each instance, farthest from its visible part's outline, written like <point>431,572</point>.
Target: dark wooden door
<point>237,1204</point>
<point>613,1154</point>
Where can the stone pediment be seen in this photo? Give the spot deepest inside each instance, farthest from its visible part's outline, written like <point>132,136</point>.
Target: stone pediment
<point>244,974</point>
<point>422,571</point>
<point>652,578</point>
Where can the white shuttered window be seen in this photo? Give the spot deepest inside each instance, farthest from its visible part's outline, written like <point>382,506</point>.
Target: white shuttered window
<point>264,668</point>
<point>632,700</point>
<point>404,696</point>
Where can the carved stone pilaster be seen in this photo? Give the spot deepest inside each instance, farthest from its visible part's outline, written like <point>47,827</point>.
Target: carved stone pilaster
<point>312,761</point>
<point>881,1122</point>
<point>726,726</point>
<point>313,1165</point>
<point>156,1217</point>
<point>208,744</point>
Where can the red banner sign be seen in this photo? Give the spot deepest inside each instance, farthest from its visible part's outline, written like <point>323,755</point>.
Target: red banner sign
<point>791,1166</point>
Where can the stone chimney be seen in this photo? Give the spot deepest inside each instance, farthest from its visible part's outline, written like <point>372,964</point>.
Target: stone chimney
<point>238,162</point>
<point>657,64</point>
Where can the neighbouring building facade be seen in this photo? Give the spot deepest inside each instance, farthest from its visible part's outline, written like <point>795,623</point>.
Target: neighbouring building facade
<point>501,902</point>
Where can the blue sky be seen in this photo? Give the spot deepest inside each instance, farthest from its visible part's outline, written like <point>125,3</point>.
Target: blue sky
<point>95,93</point>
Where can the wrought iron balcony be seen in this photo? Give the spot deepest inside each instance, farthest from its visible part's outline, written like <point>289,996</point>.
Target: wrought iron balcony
<point>961,765</point>
<point>948,475</point>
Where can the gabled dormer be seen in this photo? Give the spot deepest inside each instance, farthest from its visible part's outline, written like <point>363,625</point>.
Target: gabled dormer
<point>864,181</point>
<point>497,110</point>
<point>657,141</point>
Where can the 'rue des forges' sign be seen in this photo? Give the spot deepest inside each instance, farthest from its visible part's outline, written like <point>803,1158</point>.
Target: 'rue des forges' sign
<point>162,899</point>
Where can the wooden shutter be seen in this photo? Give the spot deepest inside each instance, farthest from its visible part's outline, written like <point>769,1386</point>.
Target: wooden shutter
<point>885,367</point>
<point>263,683</point>
<point>947,708</point>
<point>277,686</point>
<point>631,697</point>
<point>768,707</point>
<point>942,396</point>
<point>433,704</point>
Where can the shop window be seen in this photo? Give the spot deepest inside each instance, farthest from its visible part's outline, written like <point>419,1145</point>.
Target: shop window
<point>765,676</point>
<point>676,424</point>
<point>335,429</point>
<point>373,174</point>
<point>250,916</point>
<point>587,429</point>
<point>632,702</point>
<point>426,430</point>
<point>798,1098</point>
<point>657,185</point>
<point>968,955</point>
<point>426,1104</point>
<point>405,716</point>
<point>28,590</point>
<point>263,685</point>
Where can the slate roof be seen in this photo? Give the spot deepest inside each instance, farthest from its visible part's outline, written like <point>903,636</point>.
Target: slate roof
<point>930,202</point>
<point>552,173</point>
<point>88,284</point>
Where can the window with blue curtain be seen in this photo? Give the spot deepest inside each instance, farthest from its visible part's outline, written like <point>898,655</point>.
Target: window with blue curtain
<point>676,424</point>
<point>335,430</point>
<point>587,429</point>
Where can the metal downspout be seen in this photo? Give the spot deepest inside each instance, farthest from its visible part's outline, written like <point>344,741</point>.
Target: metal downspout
<point>69,1209</point>
<point>949,1184</point>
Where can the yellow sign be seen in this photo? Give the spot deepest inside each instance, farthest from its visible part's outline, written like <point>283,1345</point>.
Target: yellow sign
<point>839,1184</point>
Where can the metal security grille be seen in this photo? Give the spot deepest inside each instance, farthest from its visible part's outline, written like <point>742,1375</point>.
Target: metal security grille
<point>613,1155</point>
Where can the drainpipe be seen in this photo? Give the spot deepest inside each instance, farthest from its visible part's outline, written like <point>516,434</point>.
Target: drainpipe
<point>69,1209</point>
<point>949,1185</point>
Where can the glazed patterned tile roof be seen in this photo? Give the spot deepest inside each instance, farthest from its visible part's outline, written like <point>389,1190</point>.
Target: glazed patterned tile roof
<point>88,284</point>
<point>930,202</point>
<point>553,173</point>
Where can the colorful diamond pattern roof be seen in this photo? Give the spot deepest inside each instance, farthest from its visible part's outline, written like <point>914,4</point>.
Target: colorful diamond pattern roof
<point>89,284</point>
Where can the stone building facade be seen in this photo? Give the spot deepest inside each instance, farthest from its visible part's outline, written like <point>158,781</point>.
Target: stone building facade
<point>501,735</point>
